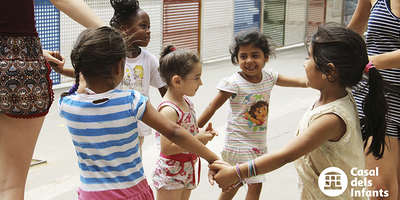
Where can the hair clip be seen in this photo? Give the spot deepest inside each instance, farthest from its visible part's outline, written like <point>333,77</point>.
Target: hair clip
<point>173,49</point>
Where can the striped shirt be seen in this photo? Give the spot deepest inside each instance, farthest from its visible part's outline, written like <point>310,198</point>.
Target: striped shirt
<point>247,112</point>
<point>105,137</point>
<point>383,36</point>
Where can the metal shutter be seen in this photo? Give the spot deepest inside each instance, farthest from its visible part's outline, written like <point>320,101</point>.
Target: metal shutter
<point>181,23</point>
<point>274,20</point>
<point>296,16</point>
<point>334,11</point>
<point>217,29</point>
<point>247,14</point>
<point>349,8</point>
<point>316,15</point>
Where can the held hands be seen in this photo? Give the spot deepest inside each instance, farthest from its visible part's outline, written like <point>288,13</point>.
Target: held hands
<point>207,134</point>
<point>224,174</point>
<point>55,59</point>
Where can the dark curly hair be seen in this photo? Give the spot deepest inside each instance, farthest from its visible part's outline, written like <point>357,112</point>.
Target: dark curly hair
<point>251,36</point>
<point>123,10</point>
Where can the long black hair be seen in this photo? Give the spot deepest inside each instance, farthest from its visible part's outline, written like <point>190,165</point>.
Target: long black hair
<point>346,50</point>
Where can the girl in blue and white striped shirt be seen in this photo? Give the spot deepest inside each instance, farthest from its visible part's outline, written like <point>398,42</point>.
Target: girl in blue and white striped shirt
<point>103,121</point>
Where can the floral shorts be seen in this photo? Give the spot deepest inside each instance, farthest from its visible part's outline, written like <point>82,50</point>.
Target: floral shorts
<point>25,84</point>
<point>236,155</point>
<point>181,178</point>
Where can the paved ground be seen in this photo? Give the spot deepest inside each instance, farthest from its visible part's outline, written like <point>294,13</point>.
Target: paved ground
<point>58,178</point>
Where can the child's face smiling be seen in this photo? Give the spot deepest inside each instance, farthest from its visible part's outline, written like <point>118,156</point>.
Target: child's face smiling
<point>192,81</point>
<point>139,29</point>
<point>251,60</point>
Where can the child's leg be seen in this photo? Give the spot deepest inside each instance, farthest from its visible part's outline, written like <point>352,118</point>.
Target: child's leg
<point>254,191</point>
<point>185,194</point>
<point>228,195</point>
<point>163,194</point>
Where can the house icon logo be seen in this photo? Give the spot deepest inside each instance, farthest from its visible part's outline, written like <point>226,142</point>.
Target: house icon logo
<point>332,181</point>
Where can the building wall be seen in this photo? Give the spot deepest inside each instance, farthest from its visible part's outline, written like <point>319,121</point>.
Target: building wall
<point>216,29</point>
<point>216,24</point>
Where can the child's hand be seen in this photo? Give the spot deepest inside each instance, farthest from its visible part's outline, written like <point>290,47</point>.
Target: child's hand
<point>207,134</point>
<point>55,59</point>
<point>224,174</point>
<point>211,131</point>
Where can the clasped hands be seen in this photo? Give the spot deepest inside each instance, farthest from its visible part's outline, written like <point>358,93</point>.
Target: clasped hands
<point>224,174</point>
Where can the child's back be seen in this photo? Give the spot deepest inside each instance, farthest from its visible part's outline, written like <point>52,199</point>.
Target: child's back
<point>105,137</point>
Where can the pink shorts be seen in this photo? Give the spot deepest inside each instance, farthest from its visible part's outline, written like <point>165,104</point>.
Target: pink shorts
<point>141,191</point>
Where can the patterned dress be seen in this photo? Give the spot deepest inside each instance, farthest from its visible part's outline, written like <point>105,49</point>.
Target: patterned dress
<point>177,171</point>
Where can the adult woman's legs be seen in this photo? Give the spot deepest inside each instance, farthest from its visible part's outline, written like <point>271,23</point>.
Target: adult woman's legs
<point>17,142</point>
<point>389,170</point>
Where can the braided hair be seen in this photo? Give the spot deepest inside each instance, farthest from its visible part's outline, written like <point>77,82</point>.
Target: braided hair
<point>123,10</point>
<point>95,52</point>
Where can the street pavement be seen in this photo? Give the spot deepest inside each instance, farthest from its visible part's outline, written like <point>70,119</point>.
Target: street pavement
<point>58,178</point>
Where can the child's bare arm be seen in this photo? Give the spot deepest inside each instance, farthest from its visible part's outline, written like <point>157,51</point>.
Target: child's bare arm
<point>214,105</point>
<point>176,134</point>
<point>289,81</point>
<point>327,127</point>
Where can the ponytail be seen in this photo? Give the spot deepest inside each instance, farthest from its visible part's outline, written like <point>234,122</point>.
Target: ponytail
<point>375,108</point>
<point>175,61</point>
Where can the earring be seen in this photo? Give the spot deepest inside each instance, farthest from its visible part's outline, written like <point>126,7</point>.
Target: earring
<point>323,76</point>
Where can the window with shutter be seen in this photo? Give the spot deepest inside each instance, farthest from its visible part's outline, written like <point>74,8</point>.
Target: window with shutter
<point>181,23</point>
<point>316,15</point>
<point>274,20</point>
<point>247,14</point>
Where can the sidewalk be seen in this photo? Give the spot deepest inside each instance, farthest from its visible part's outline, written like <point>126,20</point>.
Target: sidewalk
<point>58,179</point>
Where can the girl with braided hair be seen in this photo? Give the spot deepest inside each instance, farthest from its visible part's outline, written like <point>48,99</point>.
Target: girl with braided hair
<point>103,121</point>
